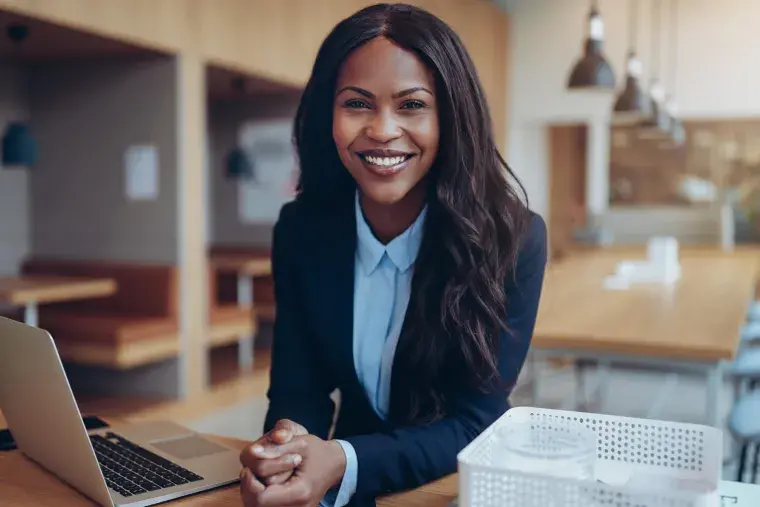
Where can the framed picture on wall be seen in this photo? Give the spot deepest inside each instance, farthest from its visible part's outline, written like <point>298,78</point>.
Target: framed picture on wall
<point>269,147</point>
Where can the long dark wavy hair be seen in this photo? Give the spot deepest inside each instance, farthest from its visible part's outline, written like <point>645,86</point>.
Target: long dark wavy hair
<point>477,210</point>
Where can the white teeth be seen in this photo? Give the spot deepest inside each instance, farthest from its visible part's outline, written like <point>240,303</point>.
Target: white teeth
<point>385,161</point>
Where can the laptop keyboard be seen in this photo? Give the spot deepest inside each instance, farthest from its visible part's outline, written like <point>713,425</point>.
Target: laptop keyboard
<point>132,470</point>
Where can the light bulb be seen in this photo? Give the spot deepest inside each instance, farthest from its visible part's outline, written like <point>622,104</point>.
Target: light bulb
<point>634,65</point>
<point>657,92</point>
<point>595,27</point>
<point>671,106</point>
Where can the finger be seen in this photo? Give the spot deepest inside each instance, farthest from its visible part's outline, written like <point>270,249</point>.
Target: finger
<point>250,488</point>
<point>277,478</point>
<point>268,467</point>
<point>259,451</point>
<point>285,429</point>
<point>294,492</point>
<point>246,454</point>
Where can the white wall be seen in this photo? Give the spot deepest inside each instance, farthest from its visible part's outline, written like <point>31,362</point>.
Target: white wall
<point>718,76</point>
<point>225,120</point>
<point>86,114</point>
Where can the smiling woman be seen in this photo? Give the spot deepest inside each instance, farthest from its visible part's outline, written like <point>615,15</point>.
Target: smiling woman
<point>407,271</point>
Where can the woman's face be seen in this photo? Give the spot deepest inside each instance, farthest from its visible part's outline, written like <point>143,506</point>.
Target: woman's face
<point>385,121</point>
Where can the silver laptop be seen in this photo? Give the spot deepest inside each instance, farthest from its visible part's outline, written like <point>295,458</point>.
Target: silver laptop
<point>132,465</point>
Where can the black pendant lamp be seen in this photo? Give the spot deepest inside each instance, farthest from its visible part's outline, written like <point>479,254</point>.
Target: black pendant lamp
<point>593,71</point>
<point>238,163</point>
<point>656,126</point>
<point>632,105</point>
<point>19,146</point>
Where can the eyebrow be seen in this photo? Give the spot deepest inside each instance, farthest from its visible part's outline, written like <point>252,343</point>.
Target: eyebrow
<point>397,95</point>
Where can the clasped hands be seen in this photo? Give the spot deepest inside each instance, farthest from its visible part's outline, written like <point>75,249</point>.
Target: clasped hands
<point>289,467</point>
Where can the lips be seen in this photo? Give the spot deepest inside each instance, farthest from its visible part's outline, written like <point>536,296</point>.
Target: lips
<point>385,162</point>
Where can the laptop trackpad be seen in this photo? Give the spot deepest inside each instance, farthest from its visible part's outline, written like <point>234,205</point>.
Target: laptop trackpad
<point>189,447</point>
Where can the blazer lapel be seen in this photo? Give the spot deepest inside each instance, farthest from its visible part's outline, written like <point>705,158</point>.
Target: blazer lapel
<point>337,286</point>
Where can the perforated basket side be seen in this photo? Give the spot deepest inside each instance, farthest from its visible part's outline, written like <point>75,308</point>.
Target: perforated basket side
<point>481,486</point>
<point>661,449</point>
<point>686,451</point>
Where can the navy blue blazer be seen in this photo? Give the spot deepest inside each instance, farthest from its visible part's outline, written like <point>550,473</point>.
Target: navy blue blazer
<point>312,354</point>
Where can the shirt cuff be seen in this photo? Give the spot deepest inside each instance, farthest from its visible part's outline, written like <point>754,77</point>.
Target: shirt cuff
<point>342,496</point>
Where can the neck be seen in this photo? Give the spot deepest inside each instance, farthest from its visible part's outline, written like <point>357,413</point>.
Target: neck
<point>389,221</point>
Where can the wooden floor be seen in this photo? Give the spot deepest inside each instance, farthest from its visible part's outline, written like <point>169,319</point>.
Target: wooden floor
<point>229,387</point>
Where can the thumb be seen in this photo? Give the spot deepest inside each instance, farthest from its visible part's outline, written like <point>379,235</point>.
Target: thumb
<point>285,429</point>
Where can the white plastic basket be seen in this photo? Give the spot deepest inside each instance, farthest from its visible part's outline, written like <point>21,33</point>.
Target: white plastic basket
<point>680,465</point>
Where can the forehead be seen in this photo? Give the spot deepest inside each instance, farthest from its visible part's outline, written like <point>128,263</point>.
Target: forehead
<point>382,65</point>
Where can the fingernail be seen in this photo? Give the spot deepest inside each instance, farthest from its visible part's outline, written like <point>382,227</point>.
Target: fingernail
<point>282,434</point>
<point>257,449</point>
<point>296,459</point>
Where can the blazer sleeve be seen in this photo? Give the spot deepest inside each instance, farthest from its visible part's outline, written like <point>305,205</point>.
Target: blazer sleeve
<point>298,390</point>
<point>407,457</point>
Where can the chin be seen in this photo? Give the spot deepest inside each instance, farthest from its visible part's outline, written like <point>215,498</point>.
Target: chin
<point>385,194</point>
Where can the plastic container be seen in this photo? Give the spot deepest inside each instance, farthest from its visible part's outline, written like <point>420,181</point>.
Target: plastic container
<point>639,463</point>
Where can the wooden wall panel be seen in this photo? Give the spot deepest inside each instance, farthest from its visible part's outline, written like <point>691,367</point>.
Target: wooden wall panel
<point>272,39</point>
<point>166,25</point>
<point>499,92</point>
<point>567,184</point>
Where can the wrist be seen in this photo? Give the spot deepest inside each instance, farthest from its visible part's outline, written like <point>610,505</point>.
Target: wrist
<point>338,463</point>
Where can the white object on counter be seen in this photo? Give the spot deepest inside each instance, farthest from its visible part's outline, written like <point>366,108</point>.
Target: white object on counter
<point>727,228</point>
<point>661,266</point>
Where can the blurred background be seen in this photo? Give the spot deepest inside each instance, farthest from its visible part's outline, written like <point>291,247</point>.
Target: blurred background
<point>146,154</point>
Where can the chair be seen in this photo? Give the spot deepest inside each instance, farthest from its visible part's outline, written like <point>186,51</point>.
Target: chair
<point>750,333</point>
<point>744,425</point>
<point>753,311</point>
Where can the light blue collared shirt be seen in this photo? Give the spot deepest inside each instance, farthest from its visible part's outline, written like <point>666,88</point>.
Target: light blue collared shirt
<point>382,286</point>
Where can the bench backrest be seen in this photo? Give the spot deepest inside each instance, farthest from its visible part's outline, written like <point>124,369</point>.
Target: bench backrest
<point>142,289</point>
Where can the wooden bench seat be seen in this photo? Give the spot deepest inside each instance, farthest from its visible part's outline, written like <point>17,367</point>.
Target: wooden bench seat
<point>228,321</point>
<point>113,328</point>
<point>135,326</point>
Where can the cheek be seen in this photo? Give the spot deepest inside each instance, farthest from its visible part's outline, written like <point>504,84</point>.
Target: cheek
<point>427,135</point>
<point>345,131</point>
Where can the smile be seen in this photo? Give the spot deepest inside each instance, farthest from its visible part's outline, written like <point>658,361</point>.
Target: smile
<point>385,164</point>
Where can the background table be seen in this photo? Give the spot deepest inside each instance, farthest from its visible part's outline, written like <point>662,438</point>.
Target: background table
<point>30,291</point>
<point>694,324</point>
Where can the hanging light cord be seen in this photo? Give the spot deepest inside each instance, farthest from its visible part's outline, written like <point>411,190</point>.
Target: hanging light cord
<point>655,40</point>
<point>633,7</point>
<point>673,45</point>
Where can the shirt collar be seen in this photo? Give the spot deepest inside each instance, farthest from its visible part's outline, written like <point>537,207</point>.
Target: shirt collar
<point>402,250</point>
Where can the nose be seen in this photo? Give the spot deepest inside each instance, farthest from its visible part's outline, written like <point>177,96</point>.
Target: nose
<point>383,127</point>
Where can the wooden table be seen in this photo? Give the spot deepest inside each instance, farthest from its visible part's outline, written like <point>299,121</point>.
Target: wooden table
<point>25,484</point>
<point>246,267</point>
<point>694,323</point>
<point>30,291</point>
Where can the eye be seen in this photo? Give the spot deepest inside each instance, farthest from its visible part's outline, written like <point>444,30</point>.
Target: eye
<point>356,104</point>
<point>412,104</point>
